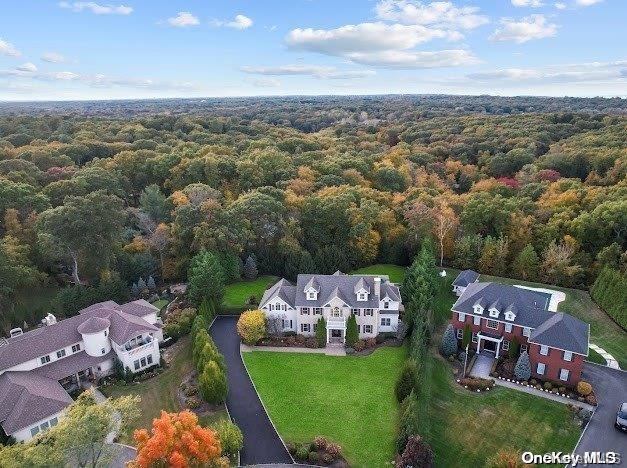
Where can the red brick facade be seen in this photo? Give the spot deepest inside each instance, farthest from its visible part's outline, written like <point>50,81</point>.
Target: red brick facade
<point>554,361</point>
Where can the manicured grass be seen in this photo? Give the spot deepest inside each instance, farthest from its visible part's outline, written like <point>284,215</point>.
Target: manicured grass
<point>237,294</point>
<point>160,392</point>
<point>604,332</point>
<point>350,400</point>
<point>593,356</point>
<point>464,429</point>
<point>161,303</point>
<point>396,273</point>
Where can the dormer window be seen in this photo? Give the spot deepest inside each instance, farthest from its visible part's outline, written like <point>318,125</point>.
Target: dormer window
<point>510,316</point>
<point>494,312</point>
<point>478,309</point>
<point>361,296</point>
<point>312,295</point>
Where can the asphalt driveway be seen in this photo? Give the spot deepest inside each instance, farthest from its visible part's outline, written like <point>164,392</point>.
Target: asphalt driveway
<point>610,385</point>
<point>262,444</point>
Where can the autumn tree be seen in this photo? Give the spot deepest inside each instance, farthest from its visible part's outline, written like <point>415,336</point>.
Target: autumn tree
<point>177,440</point>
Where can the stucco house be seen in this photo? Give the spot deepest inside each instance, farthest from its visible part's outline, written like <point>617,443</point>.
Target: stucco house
<point>497,314</point>
<point>374,301</point>
<point>39,367</point>
<point>462,281</point>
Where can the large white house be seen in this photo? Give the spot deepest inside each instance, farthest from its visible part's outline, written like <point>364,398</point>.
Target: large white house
<point>374,301</point>
<point>38,367</point>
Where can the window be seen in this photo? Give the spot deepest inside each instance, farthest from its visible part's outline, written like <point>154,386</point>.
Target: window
<point>492,324</point>
<point>568,356</point>
<point>149,359</point>
<point>544,350</point>
<point>45,359</point>
<point>311,296</point>
<point>54,421</point>
<point>304,311</point>
<point>60,353</point>
<point>523,347</point>
<point>385,322</point>
<point>508,327</point>
<point>386,305</point>
<point>136,364</point>
<point>358,329</point>
<point>510,316</point>
<point>271,306</point>
<point>34,431</point>
<point>460,333</point>
<point>355,311</point>
<point>106,333</point>
<point>526,331</point>
<point>494,313</point>
<point>564,374</point>
<point>478,309</point>
<point>367,312</point>
<point>76,348</point>
<point>505,345</point>
<point>44,425</point>
<point>317,311</point>
<point>362,297</point>
<point>474,338</point>
<point>476,320</point>
<point>461,317</point>
<point>367,328</point>
<point>541,368</point>
<point>143,362</point>
<point>103,350</point>
<point>305,327</point>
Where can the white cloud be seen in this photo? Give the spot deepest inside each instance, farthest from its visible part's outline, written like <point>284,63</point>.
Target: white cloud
<point>316,71</point>
<point>183,20</point>
<point>239,22</point>
<point>560,6</point>
<point>266,83</point>
<point>402,59</point>
<point>527,29</point>
<point>586,3</point>
<point>527,3</point>
<point>27,67</point>
<point>53,57</point>
<point>440,14</point>
<point>97,8</point>
<point>6,48</point>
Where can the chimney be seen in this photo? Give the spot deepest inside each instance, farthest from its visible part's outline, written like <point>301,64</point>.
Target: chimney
<point>377,287</point>
<point>15,332</point>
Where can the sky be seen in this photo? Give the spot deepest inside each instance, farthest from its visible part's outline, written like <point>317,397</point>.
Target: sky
<point>136,49</point>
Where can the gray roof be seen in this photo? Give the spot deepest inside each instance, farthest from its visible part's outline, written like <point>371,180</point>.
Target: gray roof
<point>465,278</point>
<point>26,397</point>
<point>337,285</point>
<point>563,331</point>
<point>93,325</point>
<point>139,308</point>
<point>555,329</point>
<point>70,365</point>
<point>47,339</point>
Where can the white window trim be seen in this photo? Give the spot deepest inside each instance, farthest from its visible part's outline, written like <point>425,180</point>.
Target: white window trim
<point>494,313</point>
<point>505,345</point>
<point>538,368</point>
<point>562,375</point>
<point>475,339</point>
<point>508,327</point>
<point>487,324</point>
<point>460,333</point>
<point>526,331</point>
<point>461,317</point>
<point>478,309</point>
<point>477,320</point>
<point>569,354</point>
<point>544,350</point>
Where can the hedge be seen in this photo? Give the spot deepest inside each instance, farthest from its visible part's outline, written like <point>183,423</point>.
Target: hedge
<point>609,292</point>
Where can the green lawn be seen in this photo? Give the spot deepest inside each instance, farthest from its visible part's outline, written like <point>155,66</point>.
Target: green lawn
<point>161,303</point>
<point>396,273</point>
<point>464,429</point>
<point>159,393</point>
<point>604,332</point>
<point>238,293</point>
<point>350,400</point>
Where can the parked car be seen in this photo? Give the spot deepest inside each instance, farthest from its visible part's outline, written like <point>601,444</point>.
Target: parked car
<point>621,418</point>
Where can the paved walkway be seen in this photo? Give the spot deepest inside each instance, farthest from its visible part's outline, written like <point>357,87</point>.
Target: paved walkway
<point>330,350</point>
<point>482,366</point>
<point>262,444</point>
<point>611,361</point>
<point>543,394</point>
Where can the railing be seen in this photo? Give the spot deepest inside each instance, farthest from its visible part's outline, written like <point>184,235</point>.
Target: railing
<point>336,322</point>
<point>137,349</point>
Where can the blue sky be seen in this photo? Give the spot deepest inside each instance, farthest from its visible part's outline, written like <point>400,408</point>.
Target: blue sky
<point>117,49</point>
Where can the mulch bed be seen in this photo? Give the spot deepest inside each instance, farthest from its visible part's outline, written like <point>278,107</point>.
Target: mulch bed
<point>189,396</point>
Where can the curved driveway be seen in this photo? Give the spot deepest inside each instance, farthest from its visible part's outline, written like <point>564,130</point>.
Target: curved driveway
<point>262,444</point>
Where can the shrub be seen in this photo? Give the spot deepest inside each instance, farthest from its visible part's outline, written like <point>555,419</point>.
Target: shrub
<point>591,400</point>
<point>179,322</point>
<point>609,292</point>
<point>417,453</point>
<point>359,345</point>
<point>231,438</point>
<point>505,459</point>
<point>320,443</point>
<point>449,341</point>
<point>352,335</point>
<point>192,402</point>
<point>302,452</point>
<point>407,380</point>
<point>584,388</point>
<point>475,383</point>
<point>409,421</point>
<point>522,370</point>
<point>210,353</point>
<point>251,326</point>
<point>548,385</point>
<point>321,332</point>
<point>212,383</point>
<point>371,342</point>
<point>334,450</point>
<point>198,324</point>
<point>312,457</point>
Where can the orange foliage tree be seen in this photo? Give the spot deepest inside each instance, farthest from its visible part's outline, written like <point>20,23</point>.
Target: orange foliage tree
<point>177,441</point>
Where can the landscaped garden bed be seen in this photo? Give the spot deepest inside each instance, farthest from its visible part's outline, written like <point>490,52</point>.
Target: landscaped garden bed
<point>289,340</point>
<point>319,452</point>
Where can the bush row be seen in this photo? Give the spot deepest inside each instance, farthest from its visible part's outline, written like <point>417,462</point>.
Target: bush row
<point>209,363</point>
<point>609,292</point>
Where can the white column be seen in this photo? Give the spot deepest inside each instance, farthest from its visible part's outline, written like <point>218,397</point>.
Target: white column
<point>327,335</point>
<point>478,342</point>
<point>498,348</point>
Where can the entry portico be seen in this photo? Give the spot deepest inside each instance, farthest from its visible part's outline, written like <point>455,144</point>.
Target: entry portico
<point>336,326</point>
<point>493,340</point>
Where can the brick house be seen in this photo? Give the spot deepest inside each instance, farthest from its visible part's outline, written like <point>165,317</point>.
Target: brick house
<point>497,314</point>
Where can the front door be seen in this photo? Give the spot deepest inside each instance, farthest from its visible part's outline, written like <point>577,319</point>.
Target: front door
<point>336,333</point>
<point>489,346</point>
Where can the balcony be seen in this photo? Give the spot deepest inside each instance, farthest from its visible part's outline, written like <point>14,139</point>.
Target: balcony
<point>138,347</point>
<point>336,322</point>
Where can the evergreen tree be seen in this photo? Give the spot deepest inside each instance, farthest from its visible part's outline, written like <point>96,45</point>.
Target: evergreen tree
<point>212,384</point>
<point>306,263</point>
<point>321,332</point>
<point>250,268</point>
<point>514,348</point>
<point>409,423</point>
<point>231,265</point>
<point>522,370</point>
<point>198,324</point>
<point>449,341</point>
<point>141,284</point>
<point>527,263</point>
<point>134,290</point>
<point>407,380</point>
<point>205,279</point>
<point>207,310</point>
<point>352,335</point>
<point>151,284</point>
<point>467,336</point>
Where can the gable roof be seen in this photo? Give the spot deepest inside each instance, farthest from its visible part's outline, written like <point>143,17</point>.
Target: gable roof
<point>283,289</point>
<point>27,397</point>
<point>465,278</point>
<point>563,331</point>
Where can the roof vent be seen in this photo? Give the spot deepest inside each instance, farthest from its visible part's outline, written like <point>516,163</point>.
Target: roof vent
<point>15,332</point>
